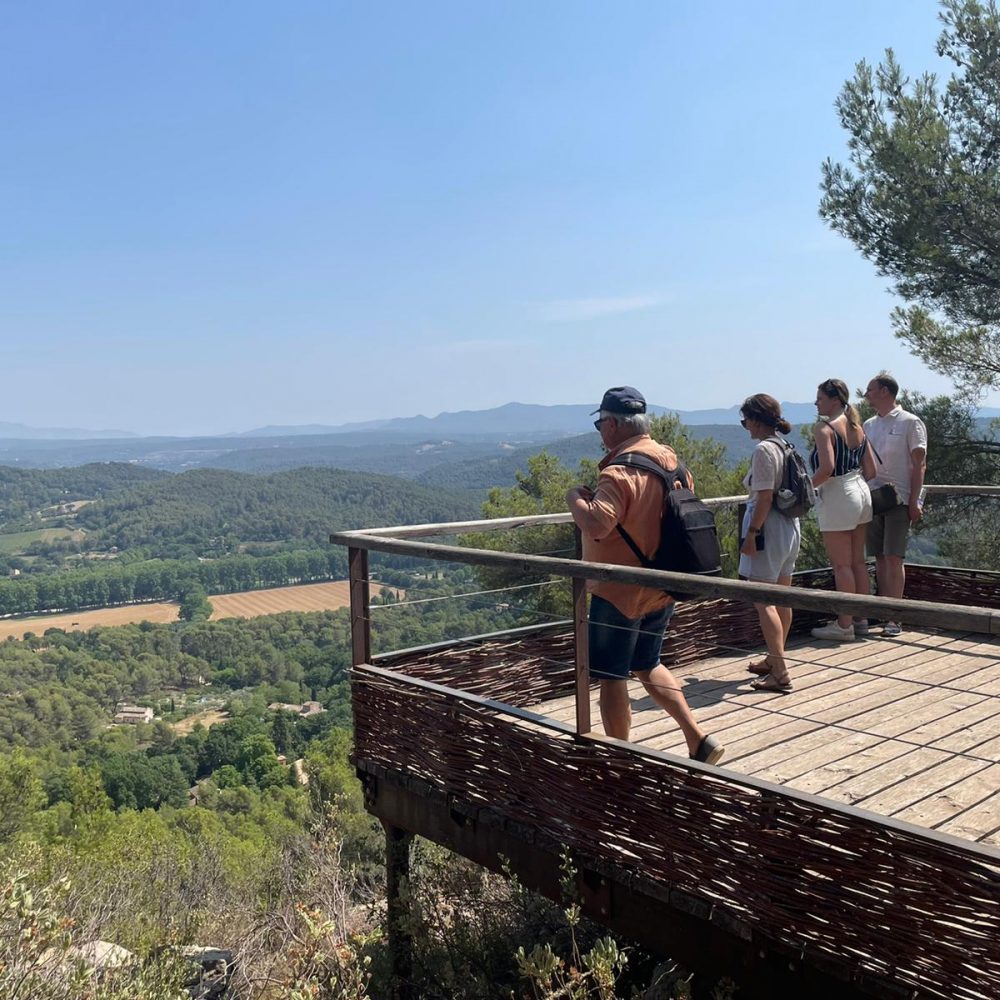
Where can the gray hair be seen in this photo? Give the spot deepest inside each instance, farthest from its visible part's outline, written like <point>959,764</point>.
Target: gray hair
<point>637,423</point>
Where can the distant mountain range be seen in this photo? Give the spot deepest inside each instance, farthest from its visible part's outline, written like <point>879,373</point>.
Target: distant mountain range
<point>23,432</point>
<point>530,421</point>
<point>526,421</point>
<point>517,422</point>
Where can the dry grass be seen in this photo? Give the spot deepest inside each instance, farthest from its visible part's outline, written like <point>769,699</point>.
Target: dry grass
<point>306,597</point>
<point>208,718</point>
<point>81,621</point>
<point>249,604</point>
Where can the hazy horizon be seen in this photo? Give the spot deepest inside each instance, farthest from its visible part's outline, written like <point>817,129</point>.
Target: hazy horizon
<point>797,412</point>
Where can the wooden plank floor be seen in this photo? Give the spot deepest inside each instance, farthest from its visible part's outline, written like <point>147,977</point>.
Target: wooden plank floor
<point>906,727</point>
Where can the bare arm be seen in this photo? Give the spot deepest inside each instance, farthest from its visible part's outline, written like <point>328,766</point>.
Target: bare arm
<point>824,449</point>
<point>765,498</point>
<point>868,469</point>
<point>919,456</point>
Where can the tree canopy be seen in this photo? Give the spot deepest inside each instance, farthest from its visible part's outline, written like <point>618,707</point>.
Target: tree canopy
<point>921,195</point>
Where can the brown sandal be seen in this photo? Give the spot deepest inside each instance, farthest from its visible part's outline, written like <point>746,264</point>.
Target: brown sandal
<point>771,683</point>
<point>760,668</point>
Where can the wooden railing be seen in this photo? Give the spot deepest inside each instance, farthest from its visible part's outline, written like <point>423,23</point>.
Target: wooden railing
<point>401,540</point>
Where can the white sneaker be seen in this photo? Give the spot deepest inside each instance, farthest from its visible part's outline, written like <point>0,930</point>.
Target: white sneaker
<point>832,630</point>
<point>891,628</point>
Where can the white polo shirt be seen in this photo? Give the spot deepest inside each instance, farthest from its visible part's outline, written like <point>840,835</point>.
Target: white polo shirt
<point>894,437</point>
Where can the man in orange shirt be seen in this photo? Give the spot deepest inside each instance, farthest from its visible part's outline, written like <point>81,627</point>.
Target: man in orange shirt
<point>627,622</point>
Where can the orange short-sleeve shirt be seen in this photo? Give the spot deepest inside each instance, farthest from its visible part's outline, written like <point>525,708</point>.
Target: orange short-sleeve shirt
<point>634,499</point>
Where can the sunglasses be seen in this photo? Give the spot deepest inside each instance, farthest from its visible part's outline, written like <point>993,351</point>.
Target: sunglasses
<point>598,422</point>
<point>743,421</point>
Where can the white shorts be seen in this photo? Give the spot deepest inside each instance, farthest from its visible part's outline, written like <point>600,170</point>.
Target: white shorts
<point>844,502</point>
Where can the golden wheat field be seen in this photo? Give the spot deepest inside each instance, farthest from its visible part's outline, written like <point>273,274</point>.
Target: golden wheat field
<point>249,604</point>
<point>80,621</point>
<point>305,597</point>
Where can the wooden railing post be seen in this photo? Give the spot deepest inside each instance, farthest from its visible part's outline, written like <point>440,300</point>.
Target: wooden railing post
<point>361,638</point>
<point>581,656</point>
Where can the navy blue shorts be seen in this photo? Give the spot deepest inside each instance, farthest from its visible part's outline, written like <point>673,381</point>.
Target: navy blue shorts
<point>619,645</point>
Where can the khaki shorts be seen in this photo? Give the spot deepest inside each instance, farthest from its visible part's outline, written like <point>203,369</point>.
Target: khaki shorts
<point>887,533</point>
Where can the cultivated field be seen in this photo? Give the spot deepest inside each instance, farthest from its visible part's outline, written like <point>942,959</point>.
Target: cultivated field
<point>80,621</point>
<point>18,541</point>
<point>250,604</point>
<point>307,597</point>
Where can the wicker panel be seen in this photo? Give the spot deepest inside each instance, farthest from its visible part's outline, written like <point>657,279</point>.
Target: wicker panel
<point>519,671</point>
<point>537,666</point>
<point>837,887</point>
<point>532,668</point>
<point>979,588</point>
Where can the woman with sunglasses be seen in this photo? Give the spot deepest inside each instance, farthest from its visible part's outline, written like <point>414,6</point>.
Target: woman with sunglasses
<point>771,539</point>
<point>841,462</point>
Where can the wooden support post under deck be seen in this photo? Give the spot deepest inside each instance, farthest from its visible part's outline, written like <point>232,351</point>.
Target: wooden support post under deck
<point>361,639</point>
<point>400,941</point>
<point>582,656</point>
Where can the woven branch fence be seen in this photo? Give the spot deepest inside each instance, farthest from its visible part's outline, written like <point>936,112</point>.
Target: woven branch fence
<point>833,885</point>
<point>537,665</point>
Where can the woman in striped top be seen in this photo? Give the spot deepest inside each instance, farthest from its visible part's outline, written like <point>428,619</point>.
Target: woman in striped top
<point>841,462</point>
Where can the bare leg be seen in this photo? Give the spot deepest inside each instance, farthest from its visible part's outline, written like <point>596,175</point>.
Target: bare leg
<point>616,709</point>
<point>862,585</point>
<point>785,614</point>
<point>891,576</point>
<point>661,686</point>
<point>838,548</point>
<point>775,636</point>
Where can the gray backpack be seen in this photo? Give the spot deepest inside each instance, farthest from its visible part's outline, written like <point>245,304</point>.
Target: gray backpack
<point>796,496</point>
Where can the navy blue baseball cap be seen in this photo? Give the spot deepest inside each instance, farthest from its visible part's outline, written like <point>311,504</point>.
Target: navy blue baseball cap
<point>623,399</point>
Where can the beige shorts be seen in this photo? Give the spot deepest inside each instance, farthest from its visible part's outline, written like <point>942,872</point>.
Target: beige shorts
<point>887,533</point>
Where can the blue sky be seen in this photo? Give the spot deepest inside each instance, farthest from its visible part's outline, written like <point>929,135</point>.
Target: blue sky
<point>220,215</point>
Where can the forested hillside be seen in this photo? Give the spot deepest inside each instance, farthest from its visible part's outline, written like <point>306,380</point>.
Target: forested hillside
<point>26,491</point>
<point>191,512</point>
<point>138,535</point>
<point>63,687</point>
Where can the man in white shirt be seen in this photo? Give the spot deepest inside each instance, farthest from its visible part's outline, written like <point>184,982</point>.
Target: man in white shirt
<point>899,443</point>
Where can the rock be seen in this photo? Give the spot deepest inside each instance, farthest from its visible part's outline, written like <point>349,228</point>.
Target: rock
<point>212,970</point>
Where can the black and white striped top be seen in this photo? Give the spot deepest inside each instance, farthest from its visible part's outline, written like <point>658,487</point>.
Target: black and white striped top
<point>845,458</point>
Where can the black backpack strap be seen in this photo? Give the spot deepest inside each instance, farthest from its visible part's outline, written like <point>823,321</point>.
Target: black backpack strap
<point>636,460</point>
<point>644,560</point>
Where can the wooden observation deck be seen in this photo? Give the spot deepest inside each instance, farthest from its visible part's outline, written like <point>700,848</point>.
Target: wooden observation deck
<point>849,845</point>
